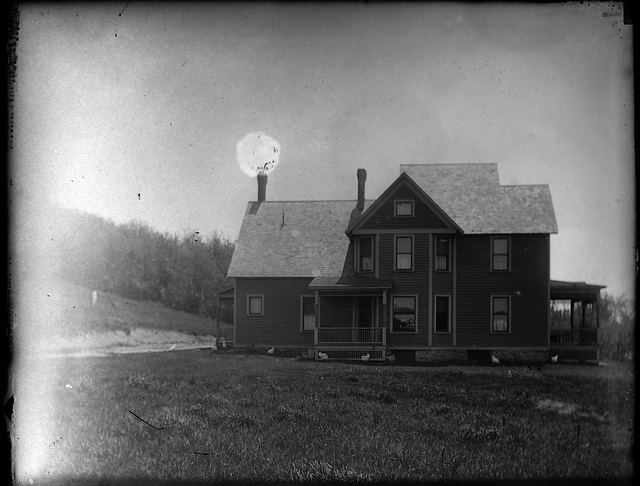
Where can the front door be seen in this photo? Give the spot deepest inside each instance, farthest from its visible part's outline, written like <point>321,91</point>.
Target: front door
<point>365,319</point>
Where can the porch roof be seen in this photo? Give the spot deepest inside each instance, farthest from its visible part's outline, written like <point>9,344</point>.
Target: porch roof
<point>350,283</point>
<point>562,290</point>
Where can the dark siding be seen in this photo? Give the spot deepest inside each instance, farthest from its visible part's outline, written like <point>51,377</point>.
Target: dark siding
<point>336,311</point>
<point>423,216</point>
<point>415,282</point>
<point>281,313</point>
<point>529,276</point>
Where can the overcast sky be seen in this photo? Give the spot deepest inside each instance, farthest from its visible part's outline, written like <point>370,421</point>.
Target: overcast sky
<point>133,110</point>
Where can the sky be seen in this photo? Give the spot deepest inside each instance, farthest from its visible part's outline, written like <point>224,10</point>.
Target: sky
<point>132,111</point>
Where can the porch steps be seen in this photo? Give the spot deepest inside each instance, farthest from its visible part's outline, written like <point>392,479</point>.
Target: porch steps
<point>354,353</point>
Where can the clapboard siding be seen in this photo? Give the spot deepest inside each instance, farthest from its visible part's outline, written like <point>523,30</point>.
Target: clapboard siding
<point>384,217</point>
<point>281,313</point>
<point>414,282</point>
<point>526,284</point>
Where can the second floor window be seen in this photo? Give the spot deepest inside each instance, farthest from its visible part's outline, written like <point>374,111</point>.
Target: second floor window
<point>365,255</point>
<point>500,254</point>
<point>442,253</point>
<point>404,253</point>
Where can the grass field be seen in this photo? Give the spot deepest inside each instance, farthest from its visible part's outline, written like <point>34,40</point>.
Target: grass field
<point>194,415</point>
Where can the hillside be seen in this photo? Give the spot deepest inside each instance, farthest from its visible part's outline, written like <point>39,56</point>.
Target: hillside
<point>66,319</point>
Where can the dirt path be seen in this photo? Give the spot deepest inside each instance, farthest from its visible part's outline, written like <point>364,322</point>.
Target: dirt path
<point>104,344</point>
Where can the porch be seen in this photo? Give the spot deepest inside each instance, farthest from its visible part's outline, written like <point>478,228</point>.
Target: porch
<point>571,302</point>
<point>350,316</point>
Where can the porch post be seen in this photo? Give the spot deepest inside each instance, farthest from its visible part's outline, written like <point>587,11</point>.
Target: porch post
<point>317,318</point>
<point>384,317</point>
<point>217,300</point>
<point>571,317</point>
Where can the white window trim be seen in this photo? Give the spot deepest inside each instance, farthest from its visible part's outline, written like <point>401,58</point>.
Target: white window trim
<point>435,314</point>
<point>358,250</point>
<point>249,297</point>
<point>395,208</point>
<point>491,255</point>
<point>509,318</point>
<point>302,314</point>
<point>395,253</point>
<point>391,297</point>
<point>435,254</point>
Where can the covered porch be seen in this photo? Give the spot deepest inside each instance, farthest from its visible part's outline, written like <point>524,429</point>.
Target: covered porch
<point>351,318</point>
<point>571,302</point>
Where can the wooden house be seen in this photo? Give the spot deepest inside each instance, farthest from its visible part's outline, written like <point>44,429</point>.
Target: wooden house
<point>445,261</point>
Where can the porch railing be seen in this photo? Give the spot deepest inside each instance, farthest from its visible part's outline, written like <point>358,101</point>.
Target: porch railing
<point>350,335</point>
<point>576,337</point>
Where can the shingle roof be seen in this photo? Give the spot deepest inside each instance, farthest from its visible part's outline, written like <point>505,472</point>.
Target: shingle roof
<point>311,243</point>
<point>472,196</point>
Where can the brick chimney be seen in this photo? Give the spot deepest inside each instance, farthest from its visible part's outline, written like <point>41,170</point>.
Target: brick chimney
<point>262,187</point>
<point>362,178</point>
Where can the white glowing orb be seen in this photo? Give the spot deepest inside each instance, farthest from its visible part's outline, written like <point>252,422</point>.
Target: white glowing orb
<point>257,153</point>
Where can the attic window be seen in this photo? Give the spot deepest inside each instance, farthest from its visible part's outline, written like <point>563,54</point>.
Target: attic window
<point>403,208</point>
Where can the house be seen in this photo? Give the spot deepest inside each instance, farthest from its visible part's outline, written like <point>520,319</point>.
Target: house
<point>446,261</point>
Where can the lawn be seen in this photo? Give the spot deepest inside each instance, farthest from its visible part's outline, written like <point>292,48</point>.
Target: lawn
<point>193,415</point>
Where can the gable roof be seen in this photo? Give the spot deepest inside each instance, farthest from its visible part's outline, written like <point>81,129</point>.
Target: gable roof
<point>386,195</point>
<point>311,242</point>
<point>472,196</point>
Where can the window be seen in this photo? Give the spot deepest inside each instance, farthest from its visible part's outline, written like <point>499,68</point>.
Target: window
<point>442,314</point>
<point>254,305</point>
<point>308,310</point>
<point>442,253</point>
<point>500,254</point>
<point>404,314</point>
<point>404,252</point>
<point>403,209</point>
<point>500,314</point>
<point>365,256</point>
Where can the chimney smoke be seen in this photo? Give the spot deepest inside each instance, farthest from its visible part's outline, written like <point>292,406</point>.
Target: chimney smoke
<point>362,178</point>
<point>262,187</point>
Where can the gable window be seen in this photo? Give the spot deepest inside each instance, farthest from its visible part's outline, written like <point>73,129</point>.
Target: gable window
<point>404,315</point>
<point>255,305</point>
<point>308,311</point>
<point>365,254</point>
<point>500,254</point>
<point>404,252</point>
<point>403,208</point>
<point>442,253</point>
<point>500,314</point>
<point>443,314</point>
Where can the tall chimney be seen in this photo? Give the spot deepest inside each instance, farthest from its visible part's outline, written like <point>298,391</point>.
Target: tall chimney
<point>362,178</point>
<point>262,187</point>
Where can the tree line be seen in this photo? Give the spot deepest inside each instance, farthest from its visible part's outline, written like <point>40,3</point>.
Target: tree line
<point>135,261</point>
